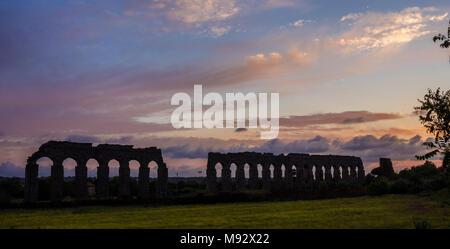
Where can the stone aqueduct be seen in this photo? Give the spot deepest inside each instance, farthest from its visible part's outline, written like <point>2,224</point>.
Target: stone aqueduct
<point>292,171</point>
<point>103,153</point>
<point>304,168</point>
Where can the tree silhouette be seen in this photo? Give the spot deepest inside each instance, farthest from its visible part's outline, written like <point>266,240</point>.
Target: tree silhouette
<point>434,114</point>
<point>445,39</point>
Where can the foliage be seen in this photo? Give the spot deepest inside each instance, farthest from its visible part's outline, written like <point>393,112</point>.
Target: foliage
<point>426,177</point>
<point>421,223</point>
<point>400,186</point>
<point>445,39</point>
<point>12,186</point>
<point>369,179</point>
<point>434,114</point>
<point>323,187</point>
<point>378,187</point>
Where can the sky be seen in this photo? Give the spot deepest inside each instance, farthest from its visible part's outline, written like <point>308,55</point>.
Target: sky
<point>348,73</point>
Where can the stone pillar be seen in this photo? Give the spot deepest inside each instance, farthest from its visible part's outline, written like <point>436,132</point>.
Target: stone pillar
<point>124,178</point>
<point>253,176</point>
<point>240,177</point>
<point>289,182</point>
<point>336,173</point>
<point>226,177</point>
<point>353,176</point>
<point>144,180</point>
<point>345,175</point>
<point>361,173</point>
<point>161,182</point>
<point>309,177</point>
<point>102,186</point>
<point>266,176</point>
<point>57,180</point>
<point>328,176</point>
<point>300,180</point>
<point>31,189</point>
<point>211,177</point>
<point>277,177</point>
<point>319,173</point>
<point>81,179</point>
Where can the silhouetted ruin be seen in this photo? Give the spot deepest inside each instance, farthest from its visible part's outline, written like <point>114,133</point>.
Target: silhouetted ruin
<point>385,169</point>
<point>301,171</point>
<point>298,172</point>
<point>103,153</point>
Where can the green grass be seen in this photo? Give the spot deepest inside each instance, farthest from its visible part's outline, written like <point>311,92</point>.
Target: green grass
<point>389,211</point>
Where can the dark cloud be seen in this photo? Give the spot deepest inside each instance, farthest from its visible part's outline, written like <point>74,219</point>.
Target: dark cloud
<point>8,169</point>
<point>316,145</point>
<point>94,139</point>
<point>367,142</point>
<point>368,147</point>
<point>186,170</point>
<point>82,139</point>
<point>185,151</point>
<point>354,120</point>
<point>371,148</point>
<point>120,140</point>
<point>349,117</point>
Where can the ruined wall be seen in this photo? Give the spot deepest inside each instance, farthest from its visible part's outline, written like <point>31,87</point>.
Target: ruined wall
<point>103,153</point>
<point>301,171</point>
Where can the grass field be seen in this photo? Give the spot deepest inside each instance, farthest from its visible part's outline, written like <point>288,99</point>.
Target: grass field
<point>389,211</point>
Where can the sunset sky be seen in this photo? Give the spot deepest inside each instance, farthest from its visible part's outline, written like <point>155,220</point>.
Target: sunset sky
<point>348,72</point>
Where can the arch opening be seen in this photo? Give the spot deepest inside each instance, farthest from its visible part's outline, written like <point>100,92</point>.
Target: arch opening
<point>45,164</point>
<point>92,165</point>
<point>134,167</point>
<point>246,170</point>
<point>153,170</point>
<point>233,169</point>
<point>69,165</point>
<point>218,166</point>
<point>259,167</point>
<point>113,165</point>
<point>314,173</point>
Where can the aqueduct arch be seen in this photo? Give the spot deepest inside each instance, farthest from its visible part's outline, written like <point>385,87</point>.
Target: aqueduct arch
<point>308,170</point>
<point>103,153</point>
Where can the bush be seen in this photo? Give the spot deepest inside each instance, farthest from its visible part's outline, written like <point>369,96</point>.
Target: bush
<point>435,183</point>
<point>343,186</point>
<point>323,187</point>
<point>369,179</point>
<point>400,186</point>
<point>4,196</point>
<point>426,171</point>
<point>12,187</point>
<point>378,187</point>
<point>421,223</point>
